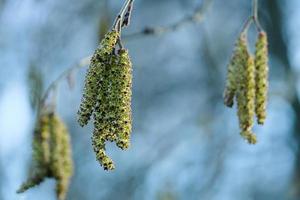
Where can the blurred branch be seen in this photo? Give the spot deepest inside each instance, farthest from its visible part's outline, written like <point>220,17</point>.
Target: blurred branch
<point>280,49</point>
<point>81,63</point>
<point>196,17</point>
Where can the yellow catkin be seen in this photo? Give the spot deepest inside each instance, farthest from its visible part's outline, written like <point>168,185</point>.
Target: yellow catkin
<point>52,156</point>
<point>262,70</point>
<point>231,82</point>
<point>99,147</point>
<point>245,90</point>
<point>123,104</point>
<point>104,115</point>
<point>93,76</point>
<point>112,117</point>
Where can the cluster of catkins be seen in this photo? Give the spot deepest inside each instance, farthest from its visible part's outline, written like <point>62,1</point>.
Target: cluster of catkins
<point>52,155</point>
<point>107,97</point>
<point>247,82</point>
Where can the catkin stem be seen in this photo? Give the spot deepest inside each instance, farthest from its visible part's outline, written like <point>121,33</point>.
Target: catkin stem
<point>255,15</point>
<point>119,19</point>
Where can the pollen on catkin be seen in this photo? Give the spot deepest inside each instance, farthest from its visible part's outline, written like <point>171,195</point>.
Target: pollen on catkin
<point>246,101</point>
<point>61,164</point>
<point>112,116</point>
<point>52,154</point>
<point>94,75</point>
<point>236,60</point>
<point>245,94</point>
<point>123,103</point>
<point>262,69</point>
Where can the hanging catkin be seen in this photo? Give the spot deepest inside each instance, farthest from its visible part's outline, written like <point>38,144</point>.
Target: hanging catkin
<point>230,88</point>
<point>112,117</point>
<point>232,73</point>
<point>245,89</point>
<point>123,103</point>
<point>52,155</point>
<point>41,154</point>
<point>107,95</point>
<point>261,65</point>
<point>61,165</point>
<point>93,76</point>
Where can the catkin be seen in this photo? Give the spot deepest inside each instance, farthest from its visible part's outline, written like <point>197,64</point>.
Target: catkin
<point>61,165</point>
<point>41,154</point>
<point>245,89</point>
<point>112,117</point>
<point>93,76</point>
<point>99,147</point>
<point>123,103</point>
<point>52,155</point>
<point>107,97</point>
<point>261,65</point>
<point>231,82</point>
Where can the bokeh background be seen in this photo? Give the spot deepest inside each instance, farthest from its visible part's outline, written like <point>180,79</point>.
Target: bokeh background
<point>185,142</point>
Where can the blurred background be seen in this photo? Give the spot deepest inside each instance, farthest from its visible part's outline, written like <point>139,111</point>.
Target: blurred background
<point>185,142</point>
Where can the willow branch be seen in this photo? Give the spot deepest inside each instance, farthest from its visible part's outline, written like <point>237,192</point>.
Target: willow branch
<point>196,17</point>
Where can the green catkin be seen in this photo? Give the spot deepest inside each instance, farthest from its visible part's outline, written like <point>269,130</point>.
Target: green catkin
<point>59,164</point>
<point>261,65</point>
<point>245,90</point>
<point>93,76</point>
<point>104,115</point>
<point>231,85</point>
<point>123,104</point>
<point>41,154</point>
<point>99,147</point>
<point>102,121</point>
<point>112,117</point>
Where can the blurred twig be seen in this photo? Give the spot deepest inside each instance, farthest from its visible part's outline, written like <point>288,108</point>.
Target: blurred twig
<point>196,17</point>
<point>35,84</point>
<point>64,75</point>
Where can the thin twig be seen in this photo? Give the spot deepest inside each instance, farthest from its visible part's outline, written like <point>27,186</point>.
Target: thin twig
<point>119,19</point>
<point>81,63</point>
<point>127,16</point>
<point>255,15</point>
<point>247,24</point>
<point>196,17</point>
